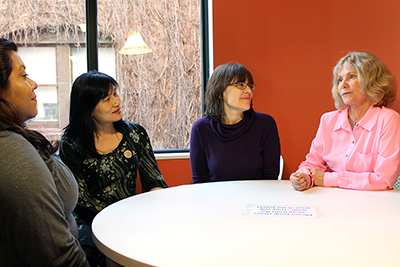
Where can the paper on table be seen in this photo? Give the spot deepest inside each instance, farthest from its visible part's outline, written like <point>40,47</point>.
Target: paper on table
<point>286,211</point>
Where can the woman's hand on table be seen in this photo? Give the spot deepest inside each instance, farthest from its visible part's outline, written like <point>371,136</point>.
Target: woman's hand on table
<point>318,176</point>
<point>300,181</point>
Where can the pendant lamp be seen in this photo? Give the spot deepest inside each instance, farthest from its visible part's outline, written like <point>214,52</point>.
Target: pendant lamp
<point>135,45</point>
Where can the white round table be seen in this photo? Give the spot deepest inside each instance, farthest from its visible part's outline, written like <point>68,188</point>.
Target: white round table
<point>209,225</point>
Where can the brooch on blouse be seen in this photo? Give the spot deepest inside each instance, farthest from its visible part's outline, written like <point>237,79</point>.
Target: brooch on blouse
<point>128,154</point>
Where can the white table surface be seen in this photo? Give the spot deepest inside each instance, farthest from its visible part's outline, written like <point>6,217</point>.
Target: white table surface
<point>208,225</point>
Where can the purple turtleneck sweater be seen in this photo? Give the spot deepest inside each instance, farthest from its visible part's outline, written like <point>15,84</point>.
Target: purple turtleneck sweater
<point>248,150</point>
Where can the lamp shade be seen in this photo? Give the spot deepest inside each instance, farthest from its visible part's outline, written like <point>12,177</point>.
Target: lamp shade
<point>135,45</point>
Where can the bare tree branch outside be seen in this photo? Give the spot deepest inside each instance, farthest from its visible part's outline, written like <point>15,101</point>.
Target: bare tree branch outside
<point>160,90</point>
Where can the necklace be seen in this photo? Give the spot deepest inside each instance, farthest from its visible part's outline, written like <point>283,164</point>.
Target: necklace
<point>352,123</point>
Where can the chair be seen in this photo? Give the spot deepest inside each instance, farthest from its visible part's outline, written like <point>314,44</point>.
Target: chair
<point>281,169</point>
<point>396,185</point>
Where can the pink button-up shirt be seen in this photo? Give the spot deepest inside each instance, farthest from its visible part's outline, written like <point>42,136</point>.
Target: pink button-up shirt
<point>367,158</point>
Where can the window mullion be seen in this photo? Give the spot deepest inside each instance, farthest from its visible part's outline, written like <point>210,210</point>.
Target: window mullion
<point>91,35</point>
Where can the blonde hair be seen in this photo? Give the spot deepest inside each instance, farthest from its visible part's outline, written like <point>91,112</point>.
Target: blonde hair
<point>374,77</point>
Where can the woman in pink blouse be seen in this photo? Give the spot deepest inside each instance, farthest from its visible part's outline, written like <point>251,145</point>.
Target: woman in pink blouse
<point>358,145</point>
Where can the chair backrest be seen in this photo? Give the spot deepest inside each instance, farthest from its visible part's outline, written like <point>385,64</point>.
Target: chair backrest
<point>280,168</point>
<point>396,186</point>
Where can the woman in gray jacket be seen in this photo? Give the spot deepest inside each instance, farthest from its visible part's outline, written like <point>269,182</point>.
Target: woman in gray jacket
<point>37,191</point>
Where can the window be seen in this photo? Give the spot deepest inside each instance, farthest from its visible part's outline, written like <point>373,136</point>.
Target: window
<point>44,73</point>
<point>106,61</point>
<point>161,90</point>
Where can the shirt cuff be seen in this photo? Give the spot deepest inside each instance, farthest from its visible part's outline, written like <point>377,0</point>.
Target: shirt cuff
<point>331,179</point>
<point>312,181</point>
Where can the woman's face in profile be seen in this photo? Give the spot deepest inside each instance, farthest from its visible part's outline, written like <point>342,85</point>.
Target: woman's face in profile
<point>349,87</point>
<point>21,91</point>
<point>108,109</point>
<point>236,99</point>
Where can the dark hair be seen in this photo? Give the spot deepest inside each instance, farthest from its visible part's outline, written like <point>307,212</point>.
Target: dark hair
<point>87,91</point>
<point>218,82</point>
<point>9,118</point>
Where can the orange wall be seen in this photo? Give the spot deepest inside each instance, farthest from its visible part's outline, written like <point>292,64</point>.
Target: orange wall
<point>176,172</point>
<point>291,47</point>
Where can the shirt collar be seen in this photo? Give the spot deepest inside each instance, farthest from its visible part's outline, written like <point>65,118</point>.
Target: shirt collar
<point>365,121</point>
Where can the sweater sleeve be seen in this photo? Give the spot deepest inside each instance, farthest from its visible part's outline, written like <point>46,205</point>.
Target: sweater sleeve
<point>198,159</point>
<point>34,226</point>
<point>272,151</point>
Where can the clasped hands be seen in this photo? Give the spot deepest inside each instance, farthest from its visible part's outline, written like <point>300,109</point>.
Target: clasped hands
<point>302,181</point>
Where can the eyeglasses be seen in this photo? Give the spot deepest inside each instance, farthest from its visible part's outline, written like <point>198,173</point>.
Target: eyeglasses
<point>243,85</point>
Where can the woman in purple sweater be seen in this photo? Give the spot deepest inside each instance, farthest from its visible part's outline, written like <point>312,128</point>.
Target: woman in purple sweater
<point>233,142</point>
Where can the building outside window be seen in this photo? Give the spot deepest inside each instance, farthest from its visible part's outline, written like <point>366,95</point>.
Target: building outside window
<point>41,61</point>
<point>161,89</point>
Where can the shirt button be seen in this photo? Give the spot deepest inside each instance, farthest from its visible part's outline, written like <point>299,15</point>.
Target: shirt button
<point>353,142</point>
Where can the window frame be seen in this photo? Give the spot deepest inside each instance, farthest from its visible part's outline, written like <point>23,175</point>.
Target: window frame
<point>206,60</point>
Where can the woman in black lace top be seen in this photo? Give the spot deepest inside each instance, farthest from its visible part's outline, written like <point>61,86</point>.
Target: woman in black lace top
<point>104,152</point>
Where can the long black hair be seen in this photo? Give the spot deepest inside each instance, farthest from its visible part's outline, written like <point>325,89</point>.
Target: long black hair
<point>87,91</point>
<point>9,118</point>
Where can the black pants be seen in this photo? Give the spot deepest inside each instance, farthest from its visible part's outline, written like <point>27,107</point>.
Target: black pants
<point>85,238</point>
